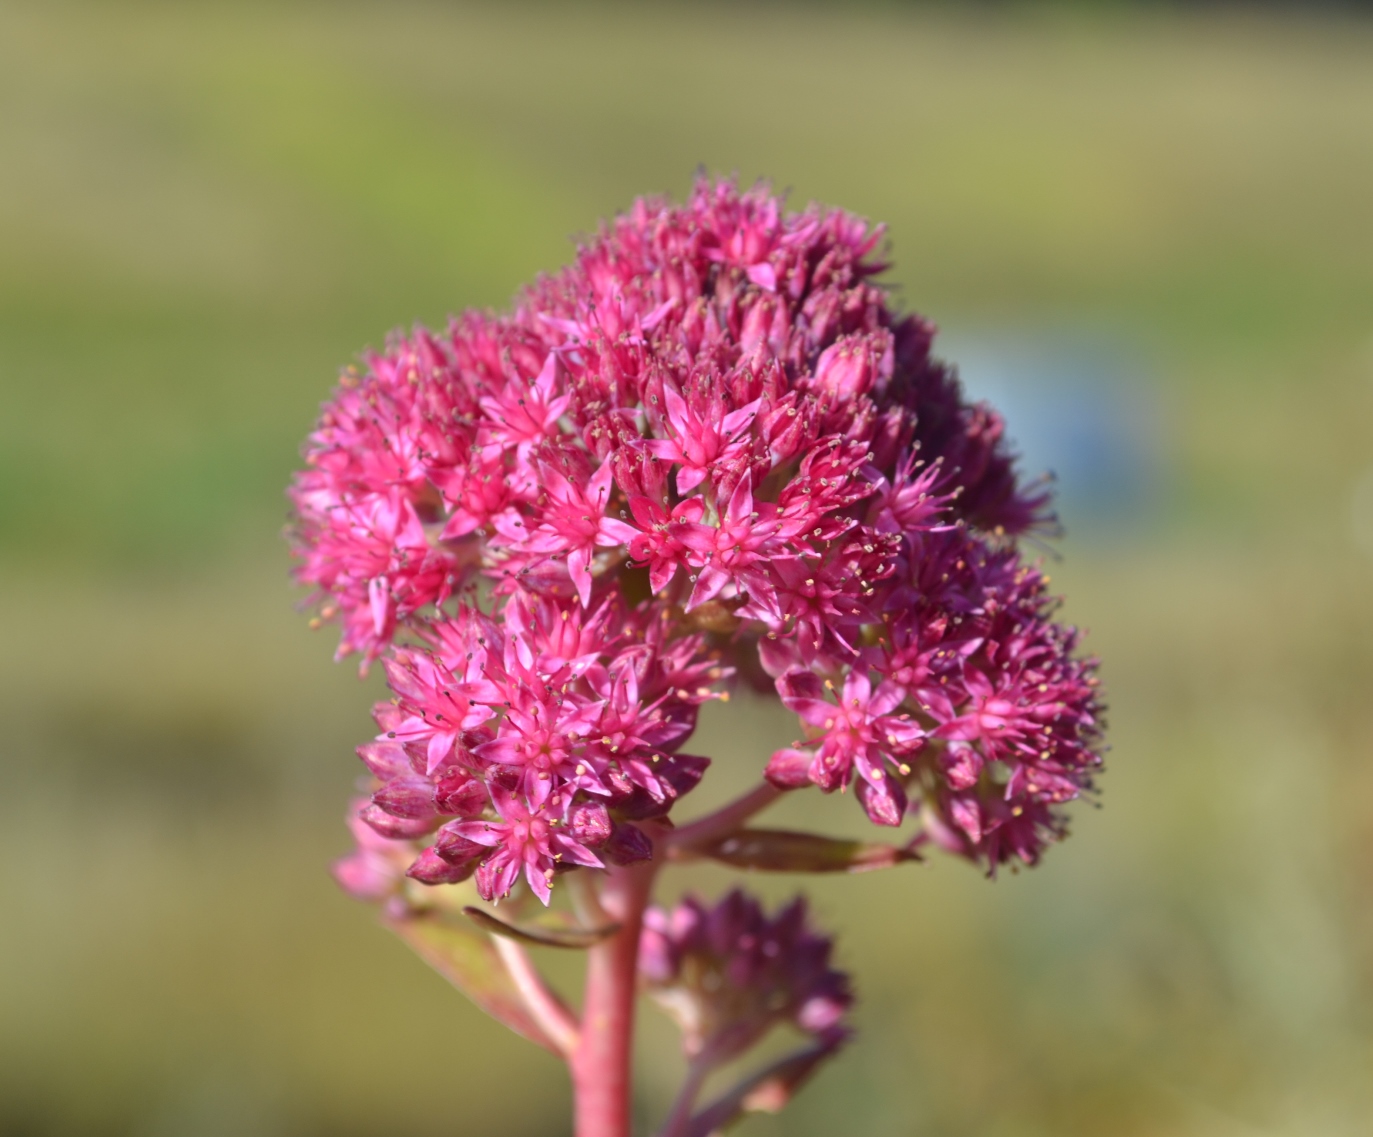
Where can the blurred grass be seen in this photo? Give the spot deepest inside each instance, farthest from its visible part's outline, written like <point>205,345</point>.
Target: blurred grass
<point>205,210</point>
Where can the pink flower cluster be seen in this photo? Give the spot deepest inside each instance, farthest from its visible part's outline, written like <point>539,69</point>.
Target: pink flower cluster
<point>707,445</point>
<point>967,693</point>
<point>728,974</point>
<point>533,745</point>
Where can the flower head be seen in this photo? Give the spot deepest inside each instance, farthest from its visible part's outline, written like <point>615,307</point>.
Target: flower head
<point>710,443</point>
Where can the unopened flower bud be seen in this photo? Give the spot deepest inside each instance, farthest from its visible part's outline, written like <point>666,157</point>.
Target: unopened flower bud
<point>396,828</point>
<point>789,769</point>
<point>628,844</point>
<point>454,848</point>
<point>431,868</point>
<point>460,794</point>
<point>411,798</point>
<point>590,823</point>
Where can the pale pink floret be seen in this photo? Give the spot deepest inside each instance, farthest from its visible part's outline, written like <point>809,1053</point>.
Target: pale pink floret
<point>376,868</point>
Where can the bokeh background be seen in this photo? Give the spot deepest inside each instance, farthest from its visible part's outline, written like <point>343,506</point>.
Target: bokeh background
<point>1147,233</point>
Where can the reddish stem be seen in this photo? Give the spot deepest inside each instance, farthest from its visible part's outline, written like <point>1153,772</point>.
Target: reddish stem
<point>724,820</point>
<point>549,1011</point>
<point>601,1076</point>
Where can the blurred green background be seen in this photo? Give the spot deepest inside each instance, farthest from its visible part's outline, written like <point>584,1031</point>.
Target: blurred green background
<point>206,209</point>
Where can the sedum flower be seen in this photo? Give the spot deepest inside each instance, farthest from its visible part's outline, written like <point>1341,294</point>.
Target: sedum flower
<point>710,444</point>
<point>524,838</point>
<point>857,733</point>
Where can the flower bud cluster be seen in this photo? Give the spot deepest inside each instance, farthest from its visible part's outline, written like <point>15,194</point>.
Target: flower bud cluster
<point>707,444</point>
<point>728,974</point>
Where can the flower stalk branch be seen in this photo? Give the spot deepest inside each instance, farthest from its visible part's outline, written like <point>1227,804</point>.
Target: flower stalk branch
<point>724,820</point>
<point>547,1009</point>
<point>679,1115</point>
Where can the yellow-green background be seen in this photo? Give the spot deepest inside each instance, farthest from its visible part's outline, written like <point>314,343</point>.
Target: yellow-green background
<point>206,209</point>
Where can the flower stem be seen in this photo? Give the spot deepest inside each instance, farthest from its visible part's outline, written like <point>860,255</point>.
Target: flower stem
<point>549,1011</point>
<point>601,1076</point>
<point>680,1114</point>
<point>724,820</point>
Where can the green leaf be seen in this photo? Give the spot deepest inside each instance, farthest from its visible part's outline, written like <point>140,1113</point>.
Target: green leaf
<point>466,958</point>
<point>552,932</point>
<point>780,850</point>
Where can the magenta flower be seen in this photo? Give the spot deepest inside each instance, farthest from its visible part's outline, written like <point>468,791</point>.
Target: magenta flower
<point>442,707</point>
<point>482,492</point>
<point>526,838</point>
<point>574,525</point>
<point>710,447</point>
<point>699,438</point>
<point>520,414</point>
<point>539,737</point>
<point>664,540</point>
<point>734,554</point>
<point>856,732</point>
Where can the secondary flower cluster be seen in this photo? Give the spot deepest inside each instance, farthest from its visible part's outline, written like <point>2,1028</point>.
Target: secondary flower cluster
<point>707,444</point>
<point>728,974</point>
<point>968,694</point>
<point>508,746</point>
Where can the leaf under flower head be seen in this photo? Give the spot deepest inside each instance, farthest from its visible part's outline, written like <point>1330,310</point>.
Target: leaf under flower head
<point>780,850</point>
<point>465,957</point>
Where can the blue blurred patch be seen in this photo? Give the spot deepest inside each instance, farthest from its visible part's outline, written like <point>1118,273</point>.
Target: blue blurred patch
<point>1083,411</point>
